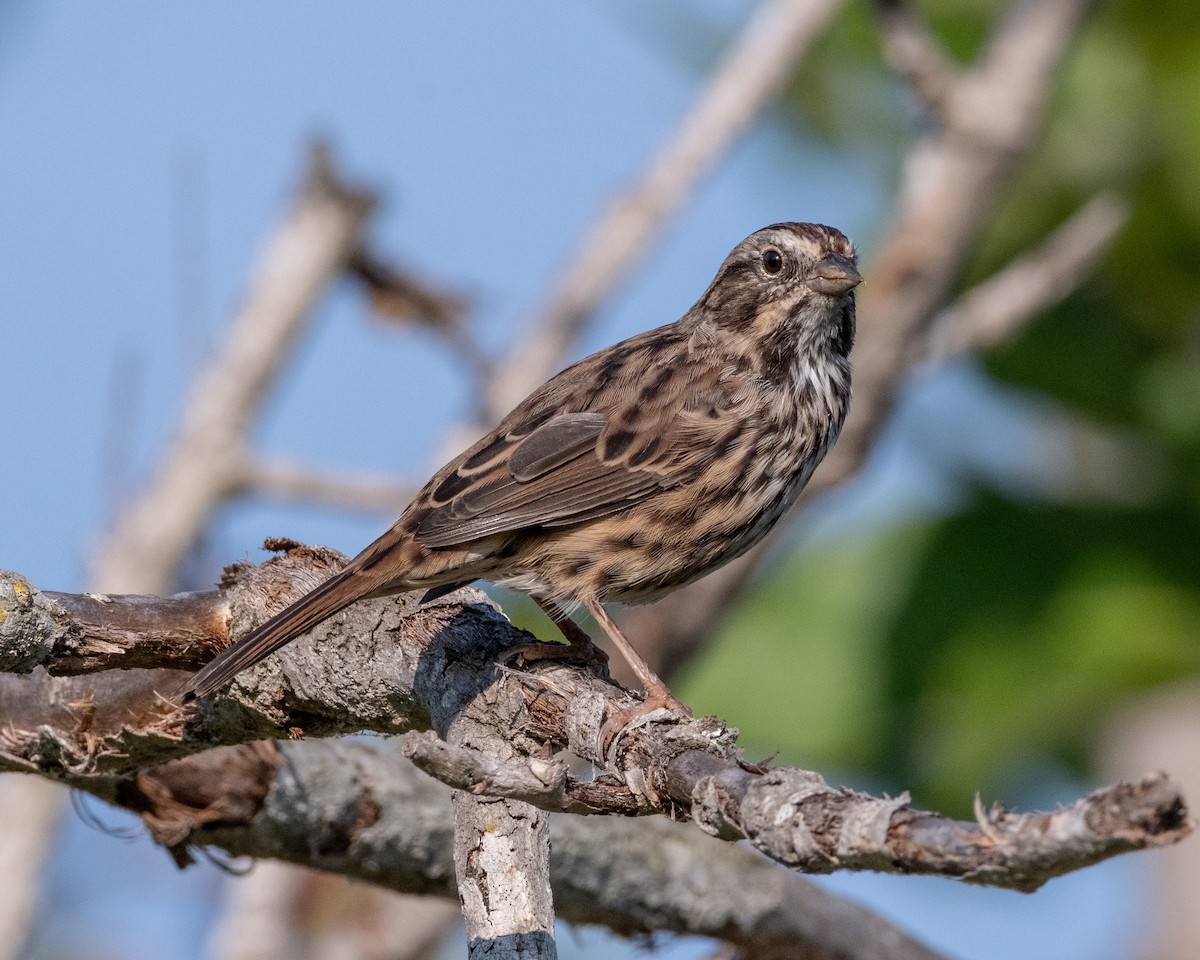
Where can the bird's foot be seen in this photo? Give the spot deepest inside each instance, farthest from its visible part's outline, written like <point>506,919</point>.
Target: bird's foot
<point>581,651</point>
<point>761,767</point>
<point>619,721</point>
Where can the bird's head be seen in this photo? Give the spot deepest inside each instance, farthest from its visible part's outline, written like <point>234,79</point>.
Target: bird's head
<point>787,287</point>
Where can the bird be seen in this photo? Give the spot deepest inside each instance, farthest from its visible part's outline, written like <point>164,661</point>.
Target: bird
<point>633,472</point>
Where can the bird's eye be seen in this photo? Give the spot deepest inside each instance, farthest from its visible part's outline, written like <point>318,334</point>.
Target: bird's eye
<point>772,260</point>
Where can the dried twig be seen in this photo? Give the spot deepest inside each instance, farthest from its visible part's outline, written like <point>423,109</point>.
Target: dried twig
<point>400,295</point>
<point>67,633</point>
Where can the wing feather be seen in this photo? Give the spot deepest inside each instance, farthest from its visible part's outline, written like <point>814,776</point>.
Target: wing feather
<point>542,470</point>
<point>555,443</point>
<point>547,479</point>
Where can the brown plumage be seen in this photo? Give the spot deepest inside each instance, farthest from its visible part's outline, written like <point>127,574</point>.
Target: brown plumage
<point>638,469</point>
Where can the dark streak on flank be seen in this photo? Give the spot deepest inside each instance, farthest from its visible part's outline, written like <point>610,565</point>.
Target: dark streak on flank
<point>654,387</point>
<point>626,541</point>
<point>612,366</point>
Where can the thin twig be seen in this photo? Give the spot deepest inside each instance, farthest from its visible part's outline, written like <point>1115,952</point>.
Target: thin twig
<point>399,296</point>
<point>916,55</point>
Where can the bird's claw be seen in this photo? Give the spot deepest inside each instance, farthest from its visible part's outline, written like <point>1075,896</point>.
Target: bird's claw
<point>619,721</point>
<point>584,654</point>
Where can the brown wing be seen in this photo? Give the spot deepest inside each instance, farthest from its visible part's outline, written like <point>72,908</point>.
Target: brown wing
<point>562,472</point>
<point>613,430</point>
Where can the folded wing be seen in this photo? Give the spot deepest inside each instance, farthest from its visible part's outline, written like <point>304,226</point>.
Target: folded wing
<point>556,475</point>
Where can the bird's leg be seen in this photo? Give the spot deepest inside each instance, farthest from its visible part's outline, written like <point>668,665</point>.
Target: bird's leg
<point>657,694</point>
<point>576,636</point>
<point>579,648</point>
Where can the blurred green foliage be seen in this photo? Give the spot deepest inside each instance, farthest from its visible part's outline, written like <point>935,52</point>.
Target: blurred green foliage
<point>952,656</point>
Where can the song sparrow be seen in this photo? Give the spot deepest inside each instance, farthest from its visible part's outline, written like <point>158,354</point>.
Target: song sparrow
<point>635,471</point>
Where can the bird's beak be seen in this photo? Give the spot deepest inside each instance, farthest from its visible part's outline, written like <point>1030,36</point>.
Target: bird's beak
<point>834,275</point>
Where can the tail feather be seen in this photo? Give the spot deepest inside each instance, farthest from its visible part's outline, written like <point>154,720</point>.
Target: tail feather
<point>335,594</point>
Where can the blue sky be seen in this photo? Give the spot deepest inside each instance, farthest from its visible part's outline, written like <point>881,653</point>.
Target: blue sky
<point>133,131</point>
<point>494,138</point>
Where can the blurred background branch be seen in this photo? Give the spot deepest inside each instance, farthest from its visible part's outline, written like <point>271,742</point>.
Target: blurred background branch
<point>288,480</point>
<point>309,249</point>
<point>1047,573</point>
<point>320,238</point>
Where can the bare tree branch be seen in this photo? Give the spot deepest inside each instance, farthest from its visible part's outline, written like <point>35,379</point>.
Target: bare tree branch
<point>359,811</point>
<point>258,922</point>
<point>777,36</point>
<point>32,810</point>
<point>393,665</point>
<point>67,633</point>
<point>501,852</point>
<point>542,783</point>
<point>398,295</point>
<point>268,915</point>
<point>916,55</point>
<point>502,865</point>
<point>951,179</point>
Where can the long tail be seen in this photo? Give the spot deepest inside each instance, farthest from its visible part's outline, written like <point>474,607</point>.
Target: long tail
<point>336,593</point>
